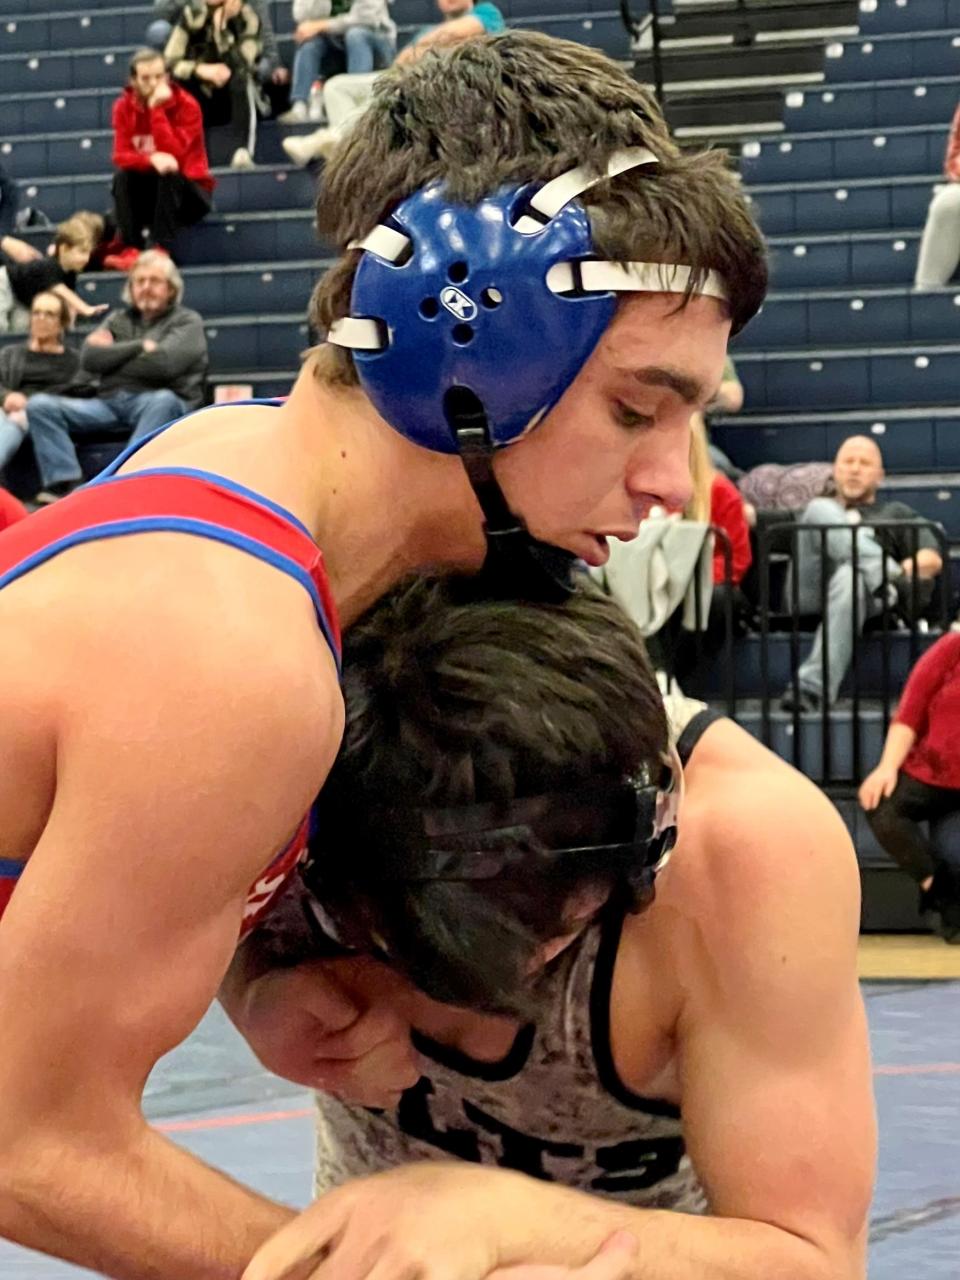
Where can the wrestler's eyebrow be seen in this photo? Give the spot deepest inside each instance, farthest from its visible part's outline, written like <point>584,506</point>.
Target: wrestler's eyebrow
<point>690,390</point>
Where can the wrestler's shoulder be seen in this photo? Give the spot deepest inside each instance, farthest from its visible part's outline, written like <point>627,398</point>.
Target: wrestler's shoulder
<point>754,830</point>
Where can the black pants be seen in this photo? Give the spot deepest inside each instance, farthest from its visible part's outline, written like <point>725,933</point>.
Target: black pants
<point>896,824</point>
<point>229,110</point>
<point>161,203</point>
<point>687,656</point>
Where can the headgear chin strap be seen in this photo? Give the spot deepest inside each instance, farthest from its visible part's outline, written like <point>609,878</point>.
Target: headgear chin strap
<point>470,322</point>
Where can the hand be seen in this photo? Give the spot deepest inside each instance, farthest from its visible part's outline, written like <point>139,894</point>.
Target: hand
<point>164,162</point>
<point>100,338</point>
<point>231,9</point>
<point>335,1025</point>
<point>149,346</point>
<point>430,1220</point>
<point>280,75</point>
<point>217,73</point>
<point>14,402</point>
<point>877,785</point>
<point>614,1260</point>
<point>161,94</point>
<point>98,310</point>
<point>307,30</point>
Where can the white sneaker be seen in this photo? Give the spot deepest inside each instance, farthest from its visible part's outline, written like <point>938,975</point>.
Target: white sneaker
<point>241,159</point>
<point>311,146</point>
<point>296,115</point>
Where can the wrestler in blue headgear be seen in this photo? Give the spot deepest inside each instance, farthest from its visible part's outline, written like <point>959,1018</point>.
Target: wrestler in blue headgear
<point>469,321</point>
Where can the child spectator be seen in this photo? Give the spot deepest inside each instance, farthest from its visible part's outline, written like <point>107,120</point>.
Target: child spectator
<point>365,33</point>
<point>940,243</point>
<point>163,180</point>
<point>214,50</point>
<point>42,363</point>
<point>24,273</point>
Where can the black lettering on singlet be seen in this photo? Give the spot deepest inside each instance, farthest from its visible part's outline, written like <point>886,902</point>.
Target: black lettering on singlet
<point>626,1166</point>
<point>637,1165</point>
<point>415,1120</point>
<point>518,1150</point>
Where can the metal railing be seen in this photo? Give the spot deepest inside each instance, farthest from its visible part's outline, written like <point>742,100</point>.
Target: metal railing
<point>888,613</point>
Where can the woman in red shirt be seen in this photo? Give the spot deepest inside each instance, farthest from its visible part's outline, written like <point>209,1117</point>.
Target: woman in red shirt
<point>918,780</point>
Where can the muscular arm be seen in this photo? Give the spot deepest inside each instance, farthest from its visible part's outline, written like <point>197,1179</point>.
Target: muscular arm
<point>167,807</point>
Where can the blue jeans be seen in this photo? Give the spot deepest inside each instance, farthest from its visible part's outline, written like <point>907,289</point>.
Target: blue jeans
<point>366,49</point>
<point>841,591</point>
<point>54,419</point>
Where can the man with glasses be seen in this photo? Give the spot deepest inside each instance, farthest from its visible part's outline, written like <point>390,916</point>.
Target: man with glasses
<point>44,363</point>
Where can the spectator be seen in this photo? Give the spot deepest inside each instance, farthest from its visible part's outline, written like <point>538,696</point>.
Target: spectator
<point>42,363</point>
<point>214,50</point>
<point>366,33</point>
<point>344,97</point>
<point>940,243</point>
<point>163,181</point>
<point>857,474</point>
<point>716,501</point>
<point>150,357</point>
<point>918,780</point>
<point>24,273</point>
<point>270,69</point>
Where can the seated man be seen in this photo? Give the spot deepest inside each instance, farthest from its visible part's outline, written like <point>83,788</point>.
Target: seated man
<point>344,97</point>
<point>214,50</point>
<point>43,363</point>
<point>150,357</point>
<point>486,843</point>
<point>857,475</point>
<point>162,180</point>
<point>940,244</point>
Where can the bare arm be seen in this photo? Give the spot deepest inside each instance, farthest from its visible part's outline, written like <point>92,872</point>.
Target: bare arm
<point>127,915</point>
<point>76,304</point>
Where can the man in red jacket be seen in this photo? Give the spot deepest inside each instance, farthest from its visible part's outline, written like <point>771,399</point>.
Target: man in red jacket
<point>163,180</point>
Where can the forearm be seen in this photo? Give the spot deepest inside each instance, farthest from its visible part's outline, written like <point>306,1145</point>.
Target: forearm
<point>73,300</point>
<point>900,740</point>
<point>136,1211</point>
<point>678,1246</point>
<point>95,359</point>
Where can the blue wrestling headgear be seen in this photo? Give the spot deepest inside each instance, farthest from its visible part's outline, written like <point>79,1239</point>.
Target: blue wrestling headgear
<point>470,322</point>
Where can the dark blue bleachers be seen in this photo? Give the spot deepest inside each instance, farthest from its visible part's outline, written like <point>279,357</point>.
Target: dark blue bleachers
<point>863,317</point>
<point>879,17</point>
<point>867,204</point>
<point>842,260</point>
<point>875,58</point>
<point>930,100</point>
<point>842,156</point>
<point>912,440</point>
<point>850,378</point>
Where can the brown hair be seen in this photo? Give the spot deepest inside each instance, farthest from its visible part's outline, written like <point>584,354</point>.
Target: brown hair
<point>455,701</point>
<point>66,316</point>
<point>142,55</point>
<point>522,107</point>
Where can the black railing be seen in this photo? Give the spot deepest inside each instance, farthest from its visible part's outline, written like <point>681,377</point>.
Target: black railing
<point>892,616</point>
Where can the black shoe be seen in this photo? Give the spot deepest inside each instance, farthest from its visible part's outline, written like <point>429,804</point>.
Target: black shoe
<point>804,701</point>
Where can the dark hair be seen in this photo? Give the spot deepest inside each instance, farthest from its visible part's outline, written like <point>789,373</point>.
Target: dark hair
<point>453,702</point>
<point>65,315</point>
<point>522,107</point>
